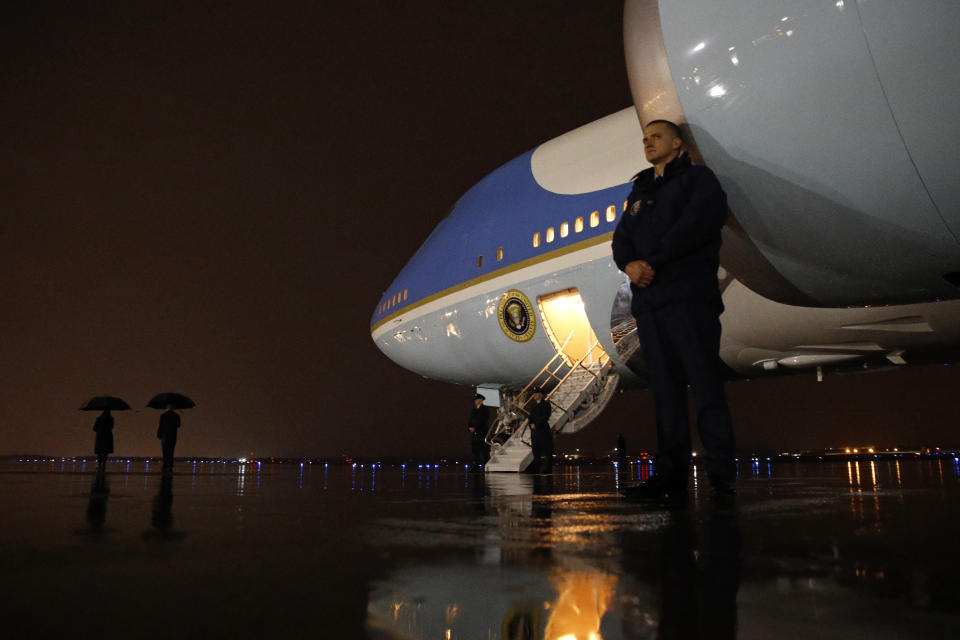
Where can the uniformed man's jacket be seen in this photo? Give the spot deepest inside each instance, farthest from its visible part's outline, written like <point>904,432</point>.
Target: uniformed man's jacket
<point>674,224</point>
<point>540,414</point>
<point>479,418</point>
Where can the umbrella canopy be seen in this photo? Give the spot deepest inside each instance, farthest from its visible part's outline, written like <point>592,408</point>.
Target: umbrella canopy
<point>102,403</point>
<point>178,400</point>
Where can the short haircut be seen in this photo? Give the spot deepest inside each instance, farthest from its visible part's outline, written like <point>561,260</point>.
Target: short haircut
<point>674,129</point>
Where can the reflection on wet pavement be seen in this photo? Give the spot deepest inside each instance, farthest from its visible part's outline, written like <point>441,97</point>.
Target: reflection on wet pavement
<point>832,550</point>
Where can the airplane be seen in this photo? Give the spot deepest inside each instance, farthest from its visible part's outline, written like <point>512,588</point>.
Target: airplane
<point>831,134</point>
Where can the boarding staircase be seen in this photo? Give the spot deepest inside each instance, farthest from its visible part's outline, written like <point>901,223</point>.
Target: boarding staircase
<point>577,392</point>
<point>626,339</point>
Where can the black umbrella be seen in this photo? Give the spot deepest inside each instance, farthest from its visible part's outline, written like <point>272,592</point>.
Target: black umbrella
<point>102,403</point>
<point>178,400</point>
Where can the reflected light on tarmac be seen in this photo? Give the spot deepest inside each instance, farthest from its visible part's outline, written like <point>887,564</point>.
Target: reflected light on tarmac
<point>582,601</point>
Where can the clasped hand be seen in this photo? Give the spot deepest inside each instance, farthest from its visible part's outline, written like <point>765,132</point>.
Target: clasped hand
<point>640,272</point>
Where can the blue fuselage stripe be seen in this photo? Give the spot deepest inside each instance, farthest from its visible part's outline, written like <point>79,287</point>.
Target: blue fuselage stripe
<point>503,210</point>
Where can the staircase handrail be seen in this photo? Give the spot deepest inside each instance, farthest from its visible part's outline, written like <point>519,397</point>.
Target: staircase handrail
<point>559,355</point>
<point>573,368</point>
<point>495,428</point>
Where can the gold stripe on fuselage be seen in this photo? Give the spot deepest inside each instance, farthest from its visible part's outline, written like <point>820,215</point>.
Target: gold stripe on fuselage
<point>523,264</point>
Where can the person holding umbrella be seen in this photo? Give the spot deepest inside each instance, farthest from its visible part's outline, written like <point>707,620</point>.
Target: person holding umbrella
<point>167,433</point>
<point>103,444</point>
<point>169,422</point>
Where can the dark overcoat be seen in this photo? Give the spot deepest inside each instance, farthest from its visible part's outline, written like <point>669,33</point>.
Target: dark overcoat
<point>673,223</point>
<point>103,444</point>
<point>479,419</point>
<point>542,436</point>
<point>169,423</point>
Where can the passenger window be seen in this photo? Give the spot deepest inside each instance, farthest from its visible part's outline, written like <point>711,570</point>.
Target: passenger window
<point>594,219</point>
<point>405,291</point>
<point>564,230</point>
<point>480,262</point>
<point>611,213</point>
<point>578,224</point>
<point>499,254</point>
<point>549,234</point>
<point>536,239</point>
<point>624,205</point>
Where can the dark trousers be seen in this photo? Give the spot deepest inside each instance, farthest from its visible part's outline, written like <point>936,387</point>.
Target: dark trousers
<point>542,443</point>
<point>681,346</point>
<point>481,450</point>
<point>168,444</point>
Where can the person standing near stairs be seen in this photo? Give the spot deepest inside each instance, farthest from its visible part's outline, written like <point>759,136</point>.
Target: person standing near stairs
<point>541,435</point>
<point>477,426</point>
<point>667,242</point>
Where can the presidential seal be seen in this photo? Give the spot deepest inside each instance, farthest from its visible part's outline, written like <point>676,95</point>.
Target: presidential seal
<point>516,316</point>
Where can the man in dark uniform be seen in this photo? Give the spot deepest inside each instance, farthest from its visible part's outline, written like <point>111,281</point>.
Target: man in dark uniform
<point>167,433</point>
<point>477,426</point>
<point>541,435</point>
<point>668,243</point>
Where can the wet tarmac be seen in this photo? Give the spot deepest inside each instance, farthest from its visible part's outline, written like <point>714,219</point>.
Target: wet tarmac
<point>864,549</point>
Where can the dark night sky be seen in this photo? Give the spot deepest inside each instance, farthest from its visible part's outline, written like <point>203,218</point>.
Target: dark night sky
<point>210,198</point>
